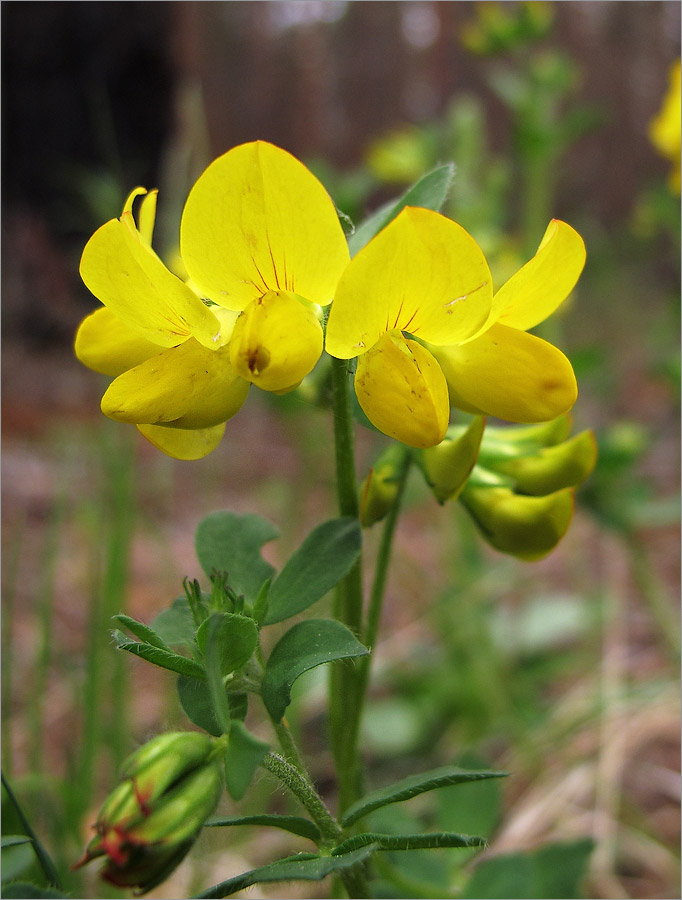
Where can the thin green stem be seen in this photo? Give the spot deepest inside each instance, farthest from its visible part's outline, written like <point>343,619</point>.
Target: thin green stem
<point>303,790</point>
<point>354,711</point>
<point>349,596</point>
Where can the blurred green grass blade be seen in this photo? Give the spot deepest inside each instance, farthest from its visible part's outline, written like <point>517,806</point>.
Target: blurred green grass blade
<point>43,856</point>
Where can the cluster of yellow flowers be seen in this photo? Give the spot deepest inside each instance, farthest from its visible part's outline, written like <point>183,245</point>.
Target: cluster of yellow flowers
<point>265,255</point>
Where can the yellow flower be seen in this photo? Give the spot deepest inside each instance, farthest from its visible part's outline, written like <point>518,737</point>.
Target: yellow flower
<point>665,128</point>
<point>263,249</point>
<point>416,306</point>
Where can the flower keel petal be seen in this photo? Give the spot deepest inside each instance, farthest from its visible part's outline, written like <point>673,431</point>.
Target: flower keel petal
<point>105,344</point>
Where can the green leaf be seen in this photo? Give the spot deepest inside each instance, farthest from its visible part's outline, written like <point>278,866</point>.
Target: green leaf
<point>23,890</point>
<point>303,867</point>
<point>163,658</point>
<point>431,192</point>
<point>231,637</point>
<point>553,871</point>
<point>242,758</point>
<point>411,787</point>
<point>228,542</point>
<point>321,561</point>
<point>176,625</point>
<point>195,698</point>
<point>307,645</point>
<point>143,632</point>
<point>293,824</point>
<point>430,841</point>
<point>12,840</point>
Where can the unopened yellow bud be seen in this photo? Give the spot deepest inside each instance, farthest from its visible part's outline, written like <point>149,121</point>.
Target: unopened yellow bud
<point>525,527</point>
<point>553,468</point>
<point>379,490</point>
<point>448,465</point>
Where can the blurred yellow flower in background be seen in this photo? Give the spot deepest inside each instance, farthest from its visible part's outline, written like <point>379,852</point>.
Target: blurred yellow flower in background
<point>665,128</point>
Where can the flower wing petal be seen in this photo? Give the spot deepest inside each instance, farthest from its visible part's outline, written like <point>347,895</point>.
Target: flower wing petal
<point>539,287</point>
<point>129,278</point>
<point>509,374</point>
<point>186,386</point>
<point>258,220</point>
<point>423,274</point>
<point>105,344</point>
<point>402,391</point>
<point>181,443</point>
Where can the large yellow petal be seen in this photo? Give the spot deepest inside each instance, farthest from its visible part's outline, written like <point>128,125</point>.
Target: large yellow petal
<point>509,374</point>
<point>276,341</point>
<point>182,444</point>
<point>105,344</point>
<point>539,287</point>
<point>403,392</point>
<point>258,220</point>
<point>128,277</point>
<point>186,386</point>
<point>423,274</point>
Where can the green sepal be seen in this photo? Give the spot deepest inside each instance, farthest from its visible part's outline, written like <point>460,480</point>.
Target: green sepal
<point>430,192</point>
<point>411,787</point>
<point>242,757</point>
<point>143,632</point>
<point>231,543</point>
<point>321,561</point>
<point>261,603</point>
<point>430,841</point>
<point>293,824</point>
<point>302,867</point>
<point>308,644</point>
<point>162,658</point>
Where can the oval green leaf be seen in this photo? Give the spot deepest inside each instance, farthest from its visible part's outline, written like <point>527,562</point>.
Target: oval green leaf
<point>307,645</point>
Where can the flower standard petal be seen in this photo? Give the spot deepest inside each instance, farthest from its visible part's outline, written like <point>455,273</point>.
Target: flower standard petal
<point>258,220</point>
<point>403,392</point>
<point>276,341</point>
<point>105,344</point>
<point>539,287</point>
<point>423,274</point>
<point>129,278</point>
<point>186,386</point>
<point>181,443</point>
<point>509,374</point>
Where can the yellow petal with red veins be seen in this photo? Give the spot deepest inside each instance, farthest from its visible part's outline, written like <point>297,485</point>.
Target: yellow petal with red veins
<point>402,391</point>
<point>105,344</point>
<point>130,279</point>
<point>182,444</point>
<point>276,342</point>
<point>258,220</point>
<point>423,274</point>
<point>509,374</point>
<point>539,287</point>
<point>186,386</point>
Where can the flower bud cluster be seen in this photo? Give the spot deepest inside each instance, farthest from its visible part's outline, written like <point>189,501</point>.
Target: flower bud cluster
<point>169,787</point>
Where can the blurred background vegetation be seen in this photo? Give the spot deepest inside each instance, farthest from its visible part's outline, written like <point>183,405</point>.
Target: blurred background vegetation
<point>563,672</point>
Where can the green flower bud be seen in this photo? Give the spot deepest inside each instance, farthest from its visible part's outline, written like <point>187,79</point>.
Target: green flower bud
<point>379,490</point>
<point>148,823</point>
<point>448,465</point>
<point>525,527</point>
<point>564,465</point>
